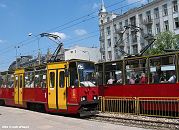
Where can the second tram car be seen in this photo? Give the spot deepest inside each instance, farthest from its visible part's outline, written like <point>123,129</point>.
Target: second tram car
<point>140,85</point>
<point>61,87</point>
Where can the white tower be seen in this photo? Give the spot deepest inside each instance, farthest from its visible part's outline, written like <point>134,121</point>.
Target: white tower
<point>102,13</point>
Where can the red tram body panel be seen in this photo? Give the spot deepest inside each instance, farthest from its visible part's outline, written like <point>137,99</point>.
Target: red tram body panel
<point>141,90</point>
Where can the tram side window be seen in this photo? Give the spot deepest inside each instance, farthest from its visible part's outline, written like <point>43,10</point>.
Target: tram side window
<point>43,79</point>
<point>113,73</point>
<point>162,69</point>
<point>37,79</point>
<point>52,79</point>
<point>16,81</point>
<point>29,79</point>
<point>10,80</point>
<point>136,71</point>
<point>1,81</point>
<point>4,80</point>
<point>21,82</point>
<point>73,75</point>
<point>99,74</point>
<point>40,79</point>
<point>61,79</point>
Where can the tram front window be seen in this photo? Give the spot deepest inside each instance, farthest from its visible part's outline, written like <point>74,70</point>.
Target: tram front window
<point>86,74</point>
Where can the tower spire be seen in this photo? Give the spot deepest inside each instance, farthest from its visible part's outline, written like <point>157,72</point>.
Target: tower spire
<point>103,9</point>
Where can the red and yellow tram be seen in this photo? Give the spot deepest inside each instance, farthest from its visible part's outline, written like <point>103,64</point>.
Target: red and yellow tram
<point>61,87</point>
<point>140,85</point>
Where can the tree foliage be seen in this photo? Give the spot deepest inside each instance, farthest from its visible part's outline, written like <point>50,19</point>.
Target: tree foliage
<point>165,40</point>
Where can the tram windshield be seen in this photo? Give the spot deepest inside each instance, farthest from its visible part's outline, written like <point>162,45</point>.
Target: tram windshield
<point>86,72</point>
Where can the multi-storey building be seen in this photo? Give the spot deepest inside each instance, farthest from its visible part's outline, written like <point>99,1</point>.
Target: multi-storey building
<point>132,30</point>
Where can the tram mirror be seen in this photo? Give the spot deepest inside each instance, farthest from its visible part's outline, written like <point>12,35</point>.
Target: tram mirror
<point>44,76</point>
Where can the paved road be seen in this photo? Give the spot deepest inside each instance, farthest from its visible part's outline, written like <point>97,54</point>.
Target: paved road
<point>15,119</point>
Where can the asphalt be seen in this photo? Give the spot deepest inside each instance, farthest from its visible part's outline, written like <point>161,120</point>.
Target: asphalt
<point>17,119</point>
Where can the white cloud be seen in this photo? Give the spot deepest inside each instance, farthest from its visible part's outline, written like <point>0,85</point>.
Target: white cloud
<point>61,35</point>
<point>3,5</point>
<point>80,32</point>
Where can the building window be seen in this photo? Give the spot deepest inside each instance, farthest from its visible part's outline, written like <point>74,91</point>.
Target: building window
<point>175,6</point>
<point>148,14</point>
<point>108,30</point>
<point>108,19</point>
<point>157,28</point>
<point>176,22</point>
<point>165,10</point>
<point>115,27</point>
<point>166,25</point>
<point>120,25</point>
<point>142,45</point>
<point>134,36</point>
<point>149,29</point>
<point>126,22</point>
<point>109,42</point>
<point>156,13</point>
<point>127,37</point>
<point>133,20</point>
<point>101,21</point>
<point>109,55</point>
<point>128,50</point>
<point>140,19</point>
<point>115,40</point>
<point>135,49</point>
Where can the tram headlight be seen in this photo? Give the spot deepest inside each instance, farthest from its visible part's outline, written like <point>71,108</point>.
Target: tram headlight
<point>83,98</point>
<point>95,97</point>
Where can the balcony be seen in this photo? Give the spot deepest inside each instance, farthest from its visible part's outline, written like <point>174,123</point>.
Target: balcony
<point>148,37</point>
<point>101,38</point>
<point>147,21</point>
<point>102,50</point>
<point>119,31</point>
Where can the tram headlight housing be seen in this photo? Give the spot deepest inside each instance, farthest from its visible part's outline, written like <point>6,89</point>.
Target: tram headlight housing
<point>83,98</point>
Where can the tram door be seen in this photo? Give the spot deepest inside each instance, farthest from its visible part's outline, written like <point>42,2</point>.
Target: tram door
<point>57,87</point>
<point>18,89</point>
<point>62,89</point>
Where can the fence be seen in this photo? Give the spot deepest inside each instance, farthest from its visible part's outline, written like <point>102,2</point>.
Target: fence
<point>150,106</point>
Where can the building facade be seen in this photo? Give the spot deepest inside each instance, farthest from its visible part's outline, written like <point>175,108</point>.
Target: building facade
<point>83,53</point>
<point>130,32</point>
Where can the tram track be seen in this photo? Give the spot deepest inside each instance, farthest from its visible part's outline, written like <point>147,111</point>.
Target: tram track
<point>153,123</point>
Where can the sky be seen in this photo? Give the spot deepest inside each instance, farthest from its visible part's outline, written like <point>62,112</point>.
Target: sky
<point>75,21</point>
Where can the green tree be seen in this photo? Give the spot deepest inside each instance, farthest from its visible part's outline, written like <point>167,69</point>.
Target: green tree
<point>164,40</point>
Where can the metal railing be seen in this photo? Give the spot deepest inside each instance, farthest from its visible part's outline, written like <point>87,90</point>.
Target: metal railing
<point>159,107</point>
